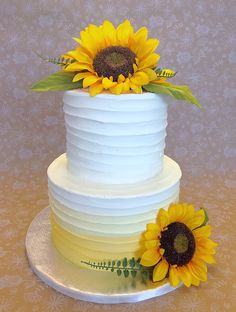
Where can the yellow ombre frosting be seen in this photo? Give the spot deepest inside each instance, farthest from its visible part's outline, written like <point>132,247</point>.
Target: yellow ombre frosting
<point>77,248</point>
<point>91,226</point>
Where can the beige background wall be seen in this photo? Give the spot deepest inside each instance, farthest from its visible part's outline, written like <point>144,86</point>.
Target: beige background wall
<point>197,38</point>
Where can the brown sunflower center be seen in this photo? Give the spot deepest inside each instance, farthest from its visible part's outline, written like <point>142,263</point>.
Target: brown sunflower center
<point>178,242</point>
<point>113,61</point>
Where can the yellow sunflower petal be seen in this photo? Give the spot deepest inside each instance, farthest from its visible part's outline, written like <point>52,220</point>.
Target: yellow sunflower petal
<point>189,210</point>
<point>174,212</point>
<point>207,243</point>
<point>159,81</point>
<point>150,61</point>
<point>185,275</point>
<point>181,212</point>
<point>153,227</point>
<point>173,276</point>
<point>80,57</point>
<point>88,43</point>
<point>67,56</point>
<point>203,231</point>
<point>80,76</point>
<point>95,88</point>
<point>150,257</point>
<point>88,81</point>
<point>151,235</point>
<point>78,66</point>
<point>162,251</point>
<point>121,78</point>
<point>197,220</point>
<point>147,48</point>
<point>97,36</point>
<point>139,78</point>
<point>117,89</point>
<point>135,88</point>
<point>149,244</point>
<point>126,86</point>
<point>200,250</point>
<point>135,67</point>
<point>199,263</point>
<point>163,218</point>
<point>206,257</point>
<point>123,32</point>
<point>107,83</point>
<point>77,40</point>
<point>160,271</point>
<point>188,213</point>
<point>150,73</point>
<point>198,268</point>
<point>195,281</point>
<point>109,33</point>
<point>140,36</point>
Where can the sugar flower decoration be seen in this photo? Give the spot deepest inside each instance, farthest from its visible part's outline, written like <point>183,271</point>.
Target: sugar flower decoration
<point>178,246</point>
<point>116,60</point>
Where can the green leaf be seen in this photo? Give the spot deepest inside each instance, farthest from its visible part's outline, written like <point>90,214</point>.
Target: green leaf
<point>145,275</point>
<point>206,217</point>
<point>132,263</point>
<point>133,273</point>
<point>59,81</point>
<point>178,92</point>
<point>138,265</point>
<point>125,262</point>
<point>126,273</point>
<point>118,263</point>
<point>119,272</point>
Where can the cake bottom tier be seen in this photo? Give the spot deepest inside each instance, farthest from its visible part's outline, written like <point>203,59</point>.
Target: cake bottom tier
<point>95,222</point>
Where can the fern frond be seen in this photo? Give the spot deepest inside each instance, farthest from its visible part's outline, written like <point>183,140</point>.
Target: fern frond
<point>165,73</point>
<point>125,266</point>
<point>62,61</point>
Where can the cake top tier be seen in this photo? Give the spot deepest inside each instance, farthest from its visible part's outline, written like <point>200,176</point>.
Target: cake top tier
<point>115,139</point>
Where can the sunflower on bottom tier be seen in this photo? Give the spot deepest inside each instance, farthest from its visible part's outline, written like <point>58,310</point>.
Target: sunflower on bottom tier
<point>178,245</point>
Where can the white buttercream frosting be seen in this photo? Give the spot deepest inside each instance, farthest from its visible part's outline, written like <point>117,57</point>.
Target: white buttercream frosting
<point>115,139</point>
<point>112,210</point>
<point>96,222</point>
<point>113,178</point>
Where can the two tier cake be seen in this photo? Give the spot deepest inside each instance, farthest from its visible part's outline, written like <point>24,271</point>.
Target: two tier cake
<point>114,194</point>
<point>114,176</point>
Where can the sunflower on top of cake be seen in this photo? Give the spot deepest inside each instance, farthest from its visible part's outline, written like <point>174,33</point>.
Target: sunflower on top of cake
<point>114,182</point>
<point>118,60</point>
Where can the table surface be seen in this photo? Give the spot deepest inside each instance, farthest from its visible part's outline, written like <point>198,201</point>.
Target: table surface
<point>21,290</point>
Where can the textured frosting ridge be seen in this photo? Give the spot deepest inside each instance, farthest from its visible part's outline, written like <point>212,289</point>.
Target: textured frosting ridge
<point>115,139</point>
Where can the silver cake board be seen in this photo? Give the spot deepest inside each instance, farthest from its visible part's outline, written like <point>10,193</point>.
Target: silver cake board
<point>79,283</point>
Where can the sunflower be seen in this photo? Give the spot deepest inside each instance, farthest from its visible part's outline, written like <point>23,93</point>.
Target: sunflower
<point>114,59</point>
<point>178,246</point>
